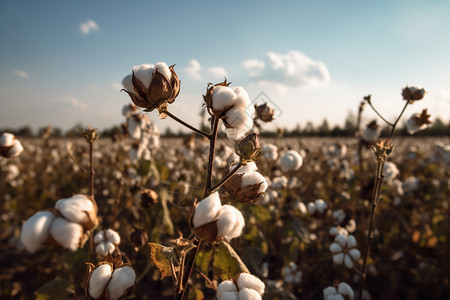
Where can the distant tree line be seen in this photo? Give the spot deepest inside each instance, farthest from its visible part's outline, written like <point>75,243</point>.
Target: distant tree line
<point>437,128</point>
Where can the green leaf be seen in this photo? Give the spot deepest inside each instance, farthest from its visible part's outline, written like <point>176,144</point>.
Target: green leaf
<point>196,294</point>
<point>57,289</point>
<point>204,257</point>
<point>226,262</point>
<point>164,258</point>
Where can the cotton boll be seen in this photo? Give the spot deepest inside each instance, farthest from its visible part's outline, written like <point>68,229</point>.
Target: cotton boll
<point>99,279</point>
<point>242,100</point>
<point>226,286</point>
<point>112,236</point>
<point>7,139</point>
<point>144,73</point>
<point>35,230</point>
<point>134,128</point>
<point>351,241</point>
<point>207,210</point>
<point>229,296</point>
<point>78,209</point>
<point>345,290</point>
<point>249,294</point>
<point>222,96</point>
<point>311,207</point>
<point>335,248</point>
<point>230,222</point>
<point>270,152</point>
<point>255,178</point>
<point>99,237</point>
<point>122,279</point>
<point>291,161</point>
<point>329,291</point>
<point>16,149</point>
<point>246,280</point>
<point>338,258</point>
<point>341,240</point>
<point>67,234</point>
<point>164,70</point>
<point>127,83</point>
<point>247,168</point>
<point>237,118</point>
<point>348,262</point>
<point>321,206</point>
<point>336,297</point>
<point>355,254</point>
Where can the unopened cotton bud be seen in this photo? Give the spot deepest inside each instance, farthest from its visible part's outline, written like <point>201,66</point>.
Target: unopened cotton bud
<point>206,211</point>
<point>291,161</point>
<point>226,286</point>
<point>249,294</point>
<point>67,234</point>
<point>35,230</point>
<point>99,279</point>
<point>246,280</point>
<point>122,279</point>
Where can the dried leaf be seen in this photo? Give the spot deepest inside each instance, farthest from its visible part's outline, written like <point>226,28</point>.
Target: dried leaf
<point>163,257</point>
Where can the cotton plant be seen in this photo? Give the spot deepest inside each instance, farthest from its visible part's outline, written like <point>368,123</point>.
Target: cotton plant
<point>10,146</point>
<point>245,287</point>
<point>106,242</point>
<point>67,224</point>
<point>344,251</point>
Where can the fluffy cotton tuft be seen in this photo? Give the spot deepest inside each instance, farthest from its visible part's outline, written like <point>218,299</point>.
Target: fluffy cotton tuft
<point>345,290</point>
<point>222,96</point>
<point>291,161</point>
<point>144,73</point>
<point>67,234</point>
<point>255,178</point>
<point>122,279</point>
<point>249,294</point>
<point>99,279</point>
<point>7,139</point>
<point>246,280</point>
<point>230,222</point>
<point>76,209</point>
<point>226,286</point>
<point>270,152</point>
<point>35,231</point>
<point>207,210</point>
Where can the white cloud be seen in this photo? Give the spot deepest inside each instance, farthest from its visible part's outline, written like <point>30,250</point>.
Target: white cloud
<point>73,102</point>
<point>21,73</point>
<point>217,72</point>
<point>116,86</point>
<point>193,69</point>
<point>291,69</point>
<point>88,26</point>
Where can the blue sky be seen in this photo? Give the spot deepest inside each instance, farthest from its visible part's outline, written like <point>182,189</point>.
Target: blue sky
<point>62,62</point>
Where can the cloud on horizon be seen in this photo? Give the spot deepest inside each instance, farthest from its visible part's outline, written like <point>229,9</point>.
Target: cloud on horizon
<point>72,102</point>
<point>293,69</point>
<point>88,27</point>
<point>196,71</point>
<point>21,74</point>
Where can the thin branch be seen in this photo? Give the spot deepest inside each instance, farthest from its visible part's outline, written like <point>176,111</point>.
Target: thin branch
<point>376,111</point>
<point>204,134</point>
<point>398,119</point>
<point>212,149</point>
<point>224,179</point>
<point>91,169</point>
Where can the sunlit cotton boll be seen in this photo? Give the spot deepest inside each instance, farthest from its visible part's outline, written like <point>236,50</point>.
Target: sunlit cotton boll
<point>254,178</point>
<point>279,182</point>
<point>12,172</point>
<point>230,222</point>
<point>78,209</point>
<point>134,128</point>
<point>67,234</point>
<point>291,161</point>
<point>227,290</point>
<point>240,120</point>
<point>35,230</point>
<point>412,125</point>
<point>246,280</point>
<point>122,279</point>
<point>10,146</point>
<point>106,242</point>
<point>207,210</point>
<point>99,279</point>
<point>249,294</point>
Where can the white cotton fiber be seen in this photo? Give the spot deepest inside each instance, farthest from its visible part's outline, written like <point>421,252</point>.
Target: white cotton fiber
<point>122,279</point>
<point>206,211</point>
<point>127,83</point>
<point>226,286</point>
<point>76,209</point>
<point>144,73</point>
<point>66,233</point>
<point>346,290</point>
<point>255,178</point>
<point>249,294</point>
<point>99,278</point>
<point>35,230</point>
<point>164,70</point>
<point>226,220</point>
<point>222,96</point>
<point>242,100</point>
<point>246,280</point>
<point>7,139</point>
<point>112,236</point>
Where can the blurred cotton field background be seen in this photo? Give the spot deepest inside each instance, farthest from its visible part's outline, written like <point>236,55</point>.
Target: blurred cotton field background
<point>289,235</point>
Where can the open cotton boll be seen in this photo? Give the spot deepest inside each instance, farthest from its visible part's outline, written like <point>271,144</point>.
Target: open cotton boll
<point>226,286</point>
<point>229,296</point>
<point>348,262</point>
<point>345,290</point>
<point>355,254</point>
<point>242,100</point>
<point>99,237</point>
<point>247,168</point>
<point>112,236</point>
<point>222,96</point>
<point>67,234</point>
<point>255,178</point>
<point>237,117</point>
<point>35,230</point>
<point>122,279</point>
<point>246,280</point>
<point>78,209</point>
<point>206,211</point>
<point>249,294</point>
<point>230,222</point>
<point>291,161</point>
<point>134,128</point>
<point>127,83</point>
<point>144,73</point>
<point>7,139</point>
<point>16,149</point>
<point>164,70</point>
<point>329,291</point>
<point>99,279</point>
<point>339,258</point>
<point>351,241</point>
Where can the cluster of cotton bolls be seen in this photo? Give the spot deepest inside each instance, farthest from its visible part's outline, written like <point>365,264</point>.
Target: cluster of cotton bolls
<point>291,161</point>
<point>66,224</point>
<point>246,287</point>
<point>234,107</point>
<point>291,273</point>
<point>110,280</point>
<point>106,241</point>
<point>343,292</point>
<point>212,220</point>
<point>143,131</point>
<point>10,146</point>
<point>344,251</point>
